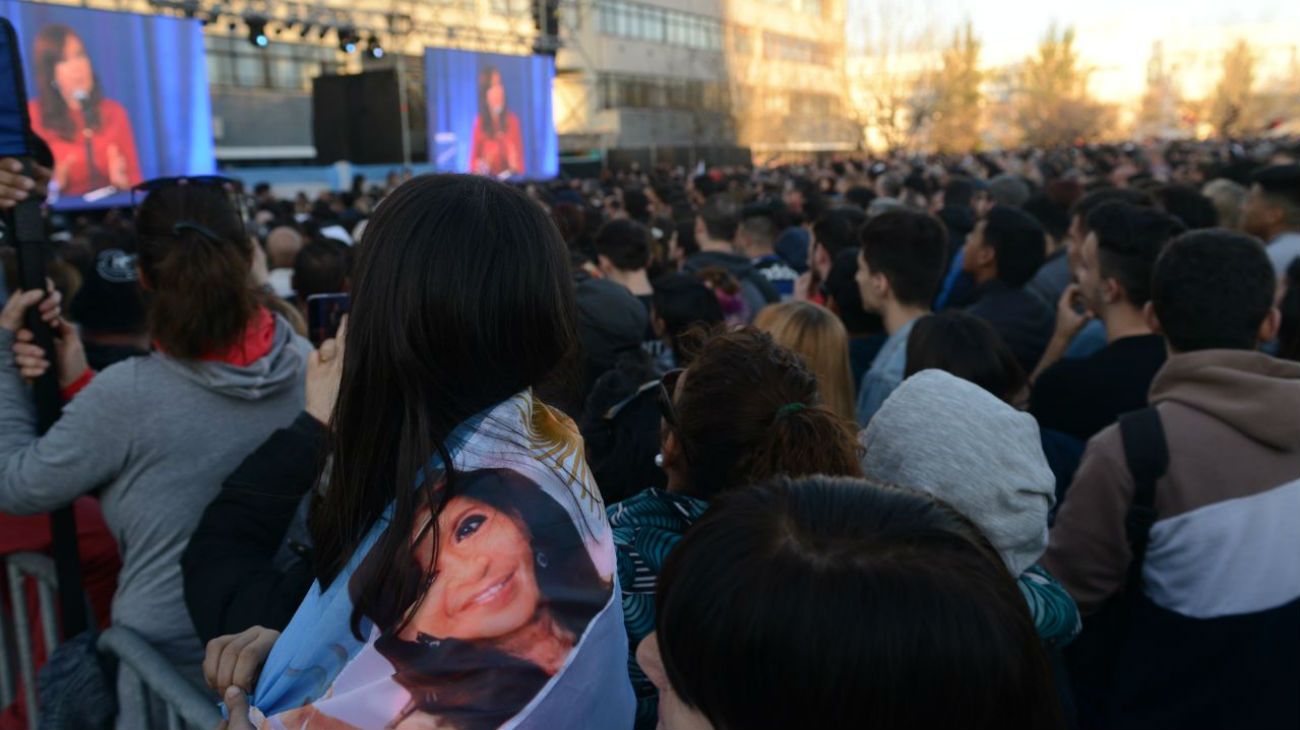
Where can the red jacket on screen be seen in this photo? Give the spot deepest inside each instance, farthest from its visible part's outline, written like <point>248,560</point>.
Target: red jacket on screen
<point>111,142</point>
<point>495,154</point>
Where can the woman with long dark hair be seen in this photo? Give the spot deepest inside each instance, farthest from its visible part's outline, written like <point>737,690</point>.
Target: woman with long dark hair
<point>464,564</point>
<point>498,144</point>
<point>89,134</point>
<point>154,436</point>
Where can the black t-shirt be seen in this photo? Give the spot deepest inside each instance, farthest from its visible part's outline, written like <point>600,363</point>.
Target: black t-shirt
<point>1082,396</point>
<point>648,300</point>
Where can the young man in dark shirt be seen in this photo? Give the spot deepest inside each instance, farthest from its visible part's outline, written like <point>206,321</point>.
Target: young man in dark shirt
<point>1002,254</point>
<point>1082,396</point>
<point>622,254</point>
<point>756,238</point>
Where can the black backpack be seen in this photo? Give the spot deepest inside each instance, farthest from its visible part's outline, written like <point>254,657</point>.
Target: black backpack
<point>1093,658</point>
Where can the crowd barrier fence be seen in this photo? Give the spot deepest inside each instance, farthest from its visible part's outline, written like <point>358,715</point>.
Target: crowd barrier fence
<point>154,683</point>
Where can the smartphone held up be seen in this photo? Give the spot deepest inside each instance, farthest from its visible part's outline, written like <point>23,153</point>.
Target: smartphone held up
<point>324,313</point>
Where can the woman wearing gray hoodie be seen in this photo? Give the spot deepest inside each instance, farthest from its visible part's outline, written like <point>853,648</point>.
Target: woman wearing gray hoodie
<point>156,435</point>
<point>940,434</point>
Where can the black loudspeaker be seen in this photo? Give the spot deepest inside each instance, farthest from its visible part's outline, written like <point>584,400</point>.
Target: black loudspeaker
<point>358,118</point>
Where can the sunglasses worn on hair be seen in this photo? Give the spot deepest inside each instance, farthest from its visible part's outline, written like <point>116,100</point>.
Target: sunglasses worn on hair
<point>230,186</point>
<point>667,387</point>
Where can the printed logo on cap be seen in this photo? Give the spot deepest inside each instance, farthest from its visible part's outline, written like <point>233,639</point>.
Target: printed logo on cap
<point>116,266</point>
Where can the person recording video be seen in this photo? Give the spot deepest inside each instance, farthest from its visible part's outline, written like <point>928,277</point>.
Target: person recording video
<point>498,145</point>
<point>90,135</point>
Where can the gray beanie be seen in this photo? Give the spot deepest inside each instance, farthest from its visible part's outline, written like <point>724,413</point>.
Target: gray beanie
<point>1010,190</point>
<point>949,437</point>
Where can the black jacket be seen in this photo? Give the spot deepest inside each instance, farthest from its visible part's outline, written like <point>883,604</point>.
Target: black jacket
<point>1024,322</point>
<point>239,571</point>
<point>620,427</point>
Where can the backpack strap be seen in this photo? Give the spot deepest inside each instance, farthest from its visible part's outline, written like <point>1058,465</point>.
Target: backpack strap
<point>1147,454</point>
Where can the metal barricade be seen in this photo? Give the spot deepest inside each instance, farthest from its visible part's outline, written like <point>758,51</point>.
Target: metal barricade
<point>154,680</point>
<point>19,567</point>
<point>155,683</point>
<point>8,662</point>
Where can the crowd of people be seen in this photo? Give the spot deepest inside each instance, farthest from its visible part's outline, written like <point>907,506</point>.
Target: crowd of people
<point>1001,440</point>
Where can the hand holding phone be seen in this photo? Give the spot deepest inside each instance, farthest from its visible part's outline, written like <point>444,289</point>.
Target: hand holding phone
<point>16,186</point>
<point>325,373</point>
<point>324,312</point>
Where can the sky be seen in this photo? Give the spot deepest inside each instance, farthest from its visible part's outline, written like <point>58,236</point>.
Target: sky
<point>1116,36</point>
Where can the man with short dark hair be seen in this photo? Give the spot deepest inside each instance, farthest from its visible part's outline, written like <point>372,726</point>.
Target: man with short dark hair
<point>756,239</point>
<point>622,254</point>
<point>321,267</point>
<point>1272,212</point>
<point>715,233</point>
<point>1055,273</point>
<point>900,266</point>
<point>865,329</point>
<point>1081,396</point>
<point>1002,254</point>
<point>1190,543</point>
<point>1188,205</point>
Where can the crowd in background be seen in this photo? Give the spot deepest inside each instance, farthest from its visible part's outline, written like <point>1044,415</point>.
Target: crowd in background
<point>1001,440</point>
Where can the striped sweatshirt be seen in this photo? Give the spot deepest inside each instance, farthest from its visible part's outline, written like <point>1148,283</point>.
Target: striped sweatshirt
<point>1214,640</point>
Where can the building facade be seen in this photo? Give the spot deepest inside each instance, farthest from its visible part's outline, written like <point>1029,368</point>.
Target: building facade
<point>788,77</point>
<point>636,80</point>
<point>647,81</point>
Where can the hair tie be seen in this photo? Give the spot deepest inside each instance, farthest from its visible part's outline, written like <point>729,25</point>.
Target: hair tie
<point>183,226</point>
<point>789,408</point>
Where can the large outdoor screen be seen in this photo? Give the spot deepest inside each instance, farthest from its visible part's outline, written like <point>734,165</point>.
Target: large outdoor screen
<point>119,98</point>
<point>490,114</point>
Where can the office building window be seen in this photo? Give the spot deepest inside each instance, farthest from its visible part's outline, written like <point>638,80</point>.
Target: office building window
<point>742,41</point>
<point>807,7</point>
<point>778,47</point>
<point>659,25</point>
<point>513,8</point>
<point>619,90</point>
<point>814,105</point>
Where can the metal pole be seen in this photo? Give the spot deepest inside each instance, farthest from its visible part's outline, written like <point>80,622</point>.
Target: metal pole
<point>29,230</point>
<point>403,102</point>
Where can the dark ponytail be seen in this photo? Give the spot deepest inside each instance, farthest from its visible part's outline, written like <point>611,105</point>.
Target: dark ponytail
<point>749,410</point>
<point>196,261</point>
<point>801,441</point>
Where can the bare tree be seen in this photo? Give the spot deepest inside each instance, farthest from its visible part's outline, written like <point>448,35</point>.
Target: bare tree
<point>1054,105</point>
<point>1158,114</point>
<point>1231,110</point>
<point>894,42</point>
<point>957,94</point>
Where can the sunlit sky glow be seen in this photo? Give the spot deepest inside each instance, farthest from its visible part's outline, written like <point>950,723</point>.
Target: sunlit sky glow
<point>1116,36</point>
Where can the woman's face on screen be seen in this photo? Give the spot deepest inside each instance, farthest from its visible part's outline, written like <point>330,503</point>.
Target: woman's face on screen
<point>496,93</point>
<point>485,586</point>
<point>73,74</point>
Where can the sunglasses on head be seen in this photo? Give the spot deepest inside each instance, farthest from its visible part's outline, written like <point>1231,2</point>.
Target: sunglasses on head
<point>233,188</point>
<point>667,387</point>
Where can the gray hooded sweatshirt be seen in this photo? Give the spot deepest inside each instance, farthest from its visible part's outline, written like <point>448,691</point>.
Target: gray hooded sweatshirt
<point>951,438</point>
<point>159,435</point>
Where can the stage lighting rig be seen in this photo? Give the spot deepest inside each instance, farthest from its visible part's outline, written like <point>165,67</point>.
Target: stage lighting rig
<point>348,39</point>
<point>257,31</point>
<point>374,49</point>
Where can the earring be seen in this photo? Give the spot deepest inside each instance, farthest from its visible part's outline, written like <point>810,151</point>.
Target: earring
<point>540,557</point>
<point>659,460</point>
